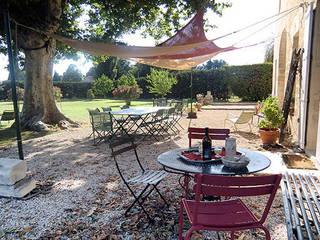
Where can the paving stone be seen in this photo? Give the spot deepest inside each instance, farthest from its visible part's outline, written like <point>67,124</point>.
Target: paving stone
<point>12,170</point>
<point>19,189</point>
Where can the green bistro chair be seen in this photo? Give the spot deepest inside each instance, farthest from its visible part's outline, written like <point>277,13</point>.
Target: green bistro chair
<point>102,126</point>
<point>106,109</point>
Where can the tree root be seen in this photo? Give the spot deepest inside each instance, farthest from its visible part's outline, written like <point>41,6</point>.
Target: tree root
<point>35,124</point>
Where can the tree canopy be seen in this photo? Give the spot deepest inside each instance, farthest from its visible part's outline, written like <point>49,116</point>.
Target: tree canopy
<point>93,20</point>
<point>72,74</point>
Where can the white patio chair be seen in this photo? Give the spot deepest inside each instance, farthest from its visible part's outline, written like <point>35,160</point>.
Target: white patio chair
<point>244,118</point>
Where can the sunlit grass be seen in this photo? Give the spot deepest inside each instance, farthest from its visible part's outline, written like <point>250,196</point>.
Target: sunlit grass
<point>76,109</point>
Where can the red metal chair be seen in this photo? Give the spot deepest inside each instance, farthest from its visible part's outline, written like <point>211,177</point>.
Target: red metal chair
<point>214,133</point>
<point>198,133</point>
<point>230,215</point>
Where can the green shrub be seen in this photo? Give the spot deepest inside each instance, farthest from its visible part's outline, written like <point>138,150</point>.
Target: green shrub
<point>90,94</point>
<point>160,82</point>
<point>74,90</point>
<point>102,86</point>
<point>128,79</point>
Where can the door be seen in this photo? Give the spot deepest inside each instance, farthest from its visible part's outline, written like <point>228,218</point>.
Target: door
<point>305,76</point>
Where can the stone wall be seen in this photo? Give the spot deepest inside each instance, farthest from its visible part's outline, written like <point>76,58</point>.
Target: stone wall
<point>291,35</point>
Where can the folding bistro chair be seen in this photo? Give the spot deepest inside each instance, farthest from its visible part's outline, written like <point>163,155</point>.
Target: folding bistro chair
<point>149,178</point>
<point>170,121</point>
<point>230,215</point>
<point>178,114</point>
<point>92,110</point>
<point>214,133</point>
<point>102,126</point>
<point>244,118</point>
<point>198,133</point>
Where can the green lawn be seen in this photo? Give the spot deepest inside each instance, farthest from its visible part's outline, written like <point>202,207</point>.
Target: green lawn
<point>75,109</point>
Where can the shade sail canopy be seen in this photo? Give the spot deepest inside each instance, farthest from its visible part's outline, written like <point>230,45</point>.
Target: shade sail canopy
<point>188,48</point>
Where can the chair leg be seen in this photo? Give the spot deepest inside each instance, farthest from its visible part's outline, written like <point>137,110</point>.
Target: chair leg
<point>137,201</point>
<point>180,220</point>
<point>188,234</point>
<point>266,232</point>
<point>161,196</point>
<point>232,235</point>
<point>186,185</point>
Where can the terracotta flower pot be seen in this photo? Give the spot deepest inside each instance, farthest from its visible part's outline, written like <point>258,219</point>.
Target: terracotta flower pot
<point>269,136</point>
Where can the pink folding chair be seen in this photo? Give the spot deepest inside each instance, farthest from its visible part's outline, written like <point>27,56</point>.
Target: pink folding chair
<point>198,133</point>
<point>230,215</point>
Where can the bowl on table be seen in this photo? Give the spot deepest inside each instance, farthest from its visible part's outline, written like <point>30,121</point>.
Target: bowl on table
<point>240,161</point>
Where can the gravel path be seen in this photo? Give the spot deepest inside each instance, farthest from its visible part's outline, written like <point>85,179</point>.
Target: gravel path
<point>87,199</point>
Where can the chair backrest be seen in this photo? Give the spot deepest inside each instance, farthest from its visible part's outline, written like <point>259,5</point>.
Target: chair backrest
<point>122,145</point>
<point>106,108</point>
<point>162,102</point>
<point>159,114</point>
<point>101,121</point>
<point>91,111</point>
<point>245,117</point>
<point>155,102</point>
<point>179,108</point>
<point>234,186</point>
<point>214,133</point>
<point>185,102</point>
<point>171,111</point>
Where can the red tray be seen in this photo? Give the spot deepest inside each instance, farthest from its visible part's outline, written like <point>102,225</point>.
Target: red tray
<point>193,155</point>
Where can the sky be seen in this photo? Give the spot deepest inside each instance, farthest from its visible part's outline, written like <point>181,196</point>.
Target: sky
<point>241,14</point>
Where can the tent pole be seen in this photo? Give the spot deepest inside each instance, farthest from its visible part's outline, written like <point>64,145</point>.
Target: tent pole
<point>13,83</point>
<point>191,89</point>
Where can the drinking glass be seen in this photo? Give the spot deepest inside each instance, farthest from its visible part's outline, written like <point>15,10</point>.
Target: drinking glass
<point>200,149</point>
<point>218,151</point>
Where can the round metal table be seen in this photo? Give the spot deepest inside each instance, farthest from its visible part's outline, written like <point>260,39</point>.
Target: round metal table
<point>170,159</point>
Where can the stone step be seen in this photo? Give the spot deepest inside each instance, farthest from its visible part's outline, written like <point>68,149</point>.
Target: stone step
<point>19,189</point>
<point>12,170</point>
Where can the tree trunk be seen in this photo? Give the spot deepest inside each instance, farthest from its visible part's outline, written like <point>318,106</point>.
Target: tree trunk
<point>39,108</point>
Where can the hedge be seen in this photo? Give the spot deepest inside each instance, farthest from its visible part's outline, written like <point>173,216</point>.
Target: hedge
<point>74,89</point>
<point>249,82</point>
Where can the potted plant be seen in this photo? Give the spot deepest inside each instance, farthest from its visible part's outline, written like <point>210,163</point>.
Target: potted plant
<point>200,98</point>
<point>127,92</point>
<point>198,105</point>
<point>271,122</point>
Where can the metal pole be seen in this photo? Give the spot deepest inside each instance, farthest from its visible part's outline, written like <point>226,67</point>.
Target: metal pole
<point>191,89</point>
<point>13,82</point>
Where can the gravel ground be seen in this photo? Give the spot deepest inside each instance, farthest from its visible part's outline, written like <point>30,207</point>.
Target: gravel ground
<point>87,199</point>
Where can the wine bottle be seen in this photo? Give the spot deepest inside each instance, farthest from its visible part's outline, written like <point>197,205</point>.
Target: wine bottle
<point>206,146</point>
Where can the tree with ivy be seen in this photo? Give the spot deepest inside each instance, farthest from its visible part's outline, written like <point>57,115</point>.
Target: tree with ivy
<point>107,21</point>
<point>160,82</point>
<point>102,86</point>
